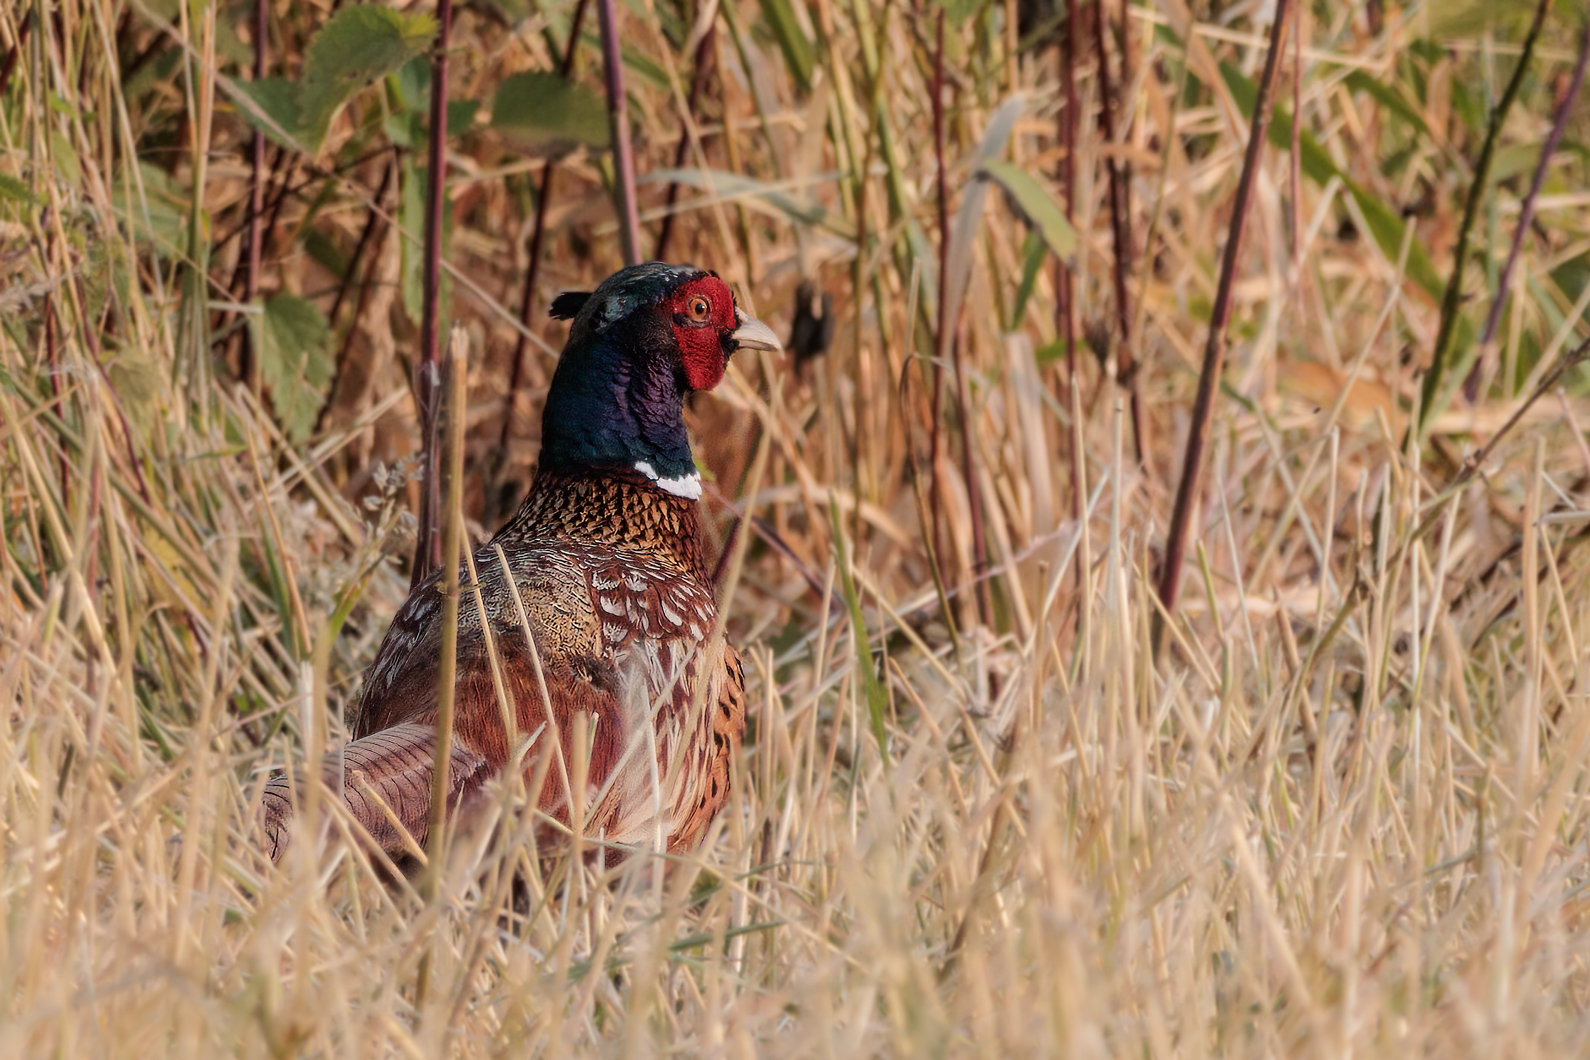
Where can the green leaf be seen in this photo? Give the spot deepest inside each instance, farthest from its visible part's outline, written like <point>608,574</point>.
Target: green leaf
<point>552,112</point>
<point>1049,353</point>
<point>1513,159</point>
<point>139,383</point>
<point>411,218</point>
<point>411,84</point>
<point>63,159</point>
<point>1387,227</point>
<point>1034,203</point>
<point>799,55</point>
<point>13,189</point>
<point>160,214</point>
<point>877,695</point>
<point>1313,159</point>
<point>958,11</point>
<point>1469,18</point>
<point>461,115</point>
<point>1032,255</point>
<point>324,252</point>
<point>645,68</point>
<point>409,99</point>
<point>359,45</point>
<point>292,342</point>
<point>277,98</point>
<point>1388,97</point>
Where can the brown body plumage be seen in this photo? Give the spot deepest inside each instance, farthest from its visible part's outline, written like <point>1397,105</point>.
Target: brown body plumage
<point>594,608</point>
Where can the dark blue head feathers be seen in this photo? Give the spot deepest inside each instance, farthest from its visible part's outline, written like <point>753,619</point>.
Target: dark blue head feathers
<point>617,396</point>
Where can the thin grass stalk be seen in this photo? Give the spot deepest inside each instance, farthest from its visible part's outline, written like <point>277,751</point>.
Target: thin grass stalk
<point>537,235</point>
<point>452,543</point>
<point>1451,299</point>
<point>974,505</point>
<point>452,536</point>
<point>1215,347</point>
<point>427,381</point>
<point>618,121</point>
<point>705,51</point>
<point>1120,224</point>
<point>194,368</point>
<point>1526,212</point>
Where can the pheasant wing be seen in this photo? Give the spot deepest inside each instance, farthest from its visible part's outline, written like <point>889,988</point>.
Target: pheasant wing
<point>385,781</point>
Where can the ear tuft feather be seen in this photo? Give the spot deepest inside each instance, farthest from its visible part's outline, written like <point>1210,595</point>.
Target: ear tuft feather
<point>567,305</point>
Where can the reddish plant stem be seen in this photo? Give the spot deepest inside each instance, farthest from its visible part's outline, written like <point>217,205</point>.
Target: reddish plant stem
<point>1215,347</point>
<point>1065,281</point>
<point>618,120</point>
<point>949,348</point>
<point>1526,213</point>
<point>943,204</point>
<point>427,373</point>
<point>698,80</point>
<point>9,66</point>
<point>1120,228</point>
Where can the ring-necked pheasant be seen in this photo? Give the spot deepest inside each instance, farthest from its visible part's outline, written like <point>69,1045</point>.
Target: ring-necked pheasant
<point>605,583</point>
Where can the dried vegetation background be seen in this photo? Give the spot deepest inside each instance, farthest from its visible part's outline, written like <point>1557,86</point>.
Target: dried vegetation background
<point>1340,813</point>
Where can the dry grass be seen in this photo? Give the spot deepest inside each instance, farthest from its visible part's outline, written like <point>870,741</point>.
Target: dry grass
<point>1344,814</point>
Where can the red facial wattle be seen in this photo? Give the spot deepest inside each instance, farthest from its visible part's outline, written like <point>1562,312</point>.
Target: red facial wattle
<point>703,337</point>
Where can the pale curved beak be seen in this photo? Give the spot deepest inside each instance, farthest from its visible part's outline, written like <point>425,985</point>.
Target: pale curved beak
<point>752,334</point>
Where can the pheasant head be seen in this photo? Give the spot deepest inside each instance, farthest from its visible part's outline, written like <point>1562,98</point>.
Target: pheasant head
<point>643,340</point>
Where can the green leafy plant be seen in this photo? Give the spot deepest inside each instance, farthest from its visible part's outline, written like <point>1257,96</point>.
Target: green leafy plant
<point>358,46</point>
<point>293,344</point>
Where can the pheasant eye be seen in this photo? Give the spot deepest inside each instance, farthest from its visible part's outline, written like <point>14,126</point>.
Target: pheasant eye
<point>699,308</point>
